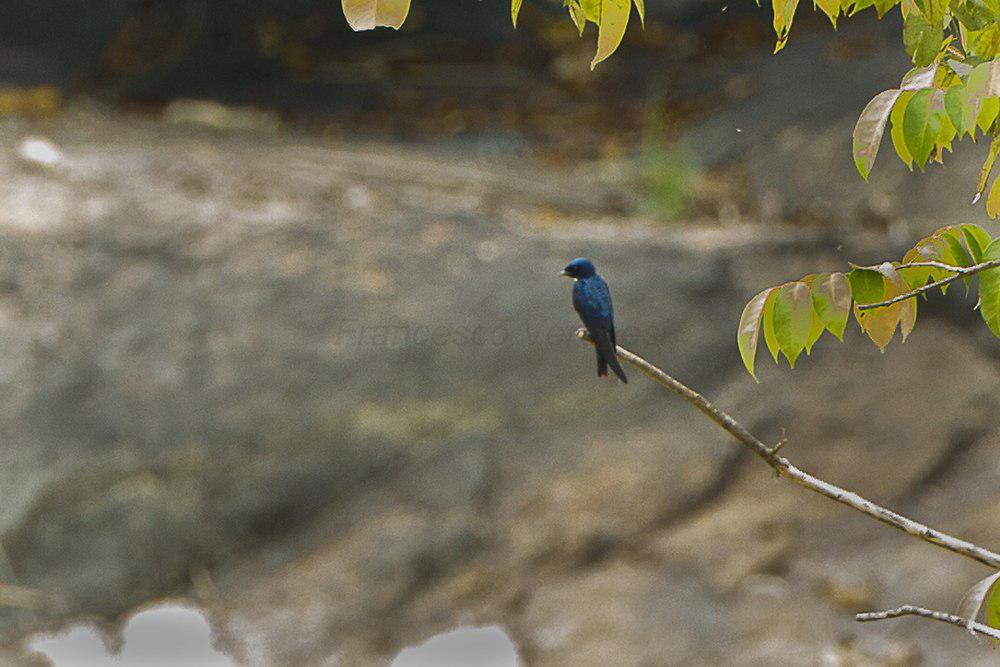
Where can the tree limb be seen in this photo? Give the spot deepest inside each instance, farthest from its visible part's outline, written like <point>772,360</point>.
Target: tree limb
<point>958,272</point>
<point>784,468</point>
<point>910,610</point>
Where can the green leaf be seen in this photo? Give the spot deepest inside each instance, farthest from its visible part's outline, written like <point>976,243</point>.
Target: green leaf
<point>896,133</point>
<point>921,39</point>
<point>793,319</point>
<point>987,43</point>
<point>933,10</point>
<point>974,14</point>
<point>989,289</point>
<point>814,333</point>
<point>640,6</point>
<point>831,297</point>
<point>987,113</point>
<point>945,135</point>
<point>921,125</point>
<point>515,9</point>
<point>869,128</point>
<point>954,106</point>
<point>953,252</point>
<point>867,285</point>
<point>977,240</point>
<point>749,329</point>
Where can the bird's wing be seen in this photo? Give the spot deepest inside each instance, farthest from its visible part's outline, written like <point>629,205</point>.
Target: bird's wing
<point>592,301</point>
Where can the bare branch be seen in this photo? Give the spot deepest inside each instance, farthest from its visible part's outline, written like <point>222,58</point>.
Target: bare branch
<point>958,272</point>
<point>784,468</point>
<point>910,610</point>
<point>930,263</point>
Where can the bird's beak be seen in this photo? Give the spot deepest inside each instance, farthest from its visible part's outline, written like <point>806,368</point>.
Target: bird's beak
<point>563,273</point>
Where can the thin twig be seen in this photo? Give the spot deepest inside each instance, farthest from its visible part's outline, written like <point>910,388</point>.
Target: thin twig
<point>958,272</point>
<point>910,610</point>
<point>784,468</point>
<point>930,263</point>
<point>781,443</point>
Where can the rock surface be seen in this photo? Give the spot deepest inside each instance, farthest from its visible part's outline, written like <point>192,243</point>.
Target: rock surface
<point>332,392</point>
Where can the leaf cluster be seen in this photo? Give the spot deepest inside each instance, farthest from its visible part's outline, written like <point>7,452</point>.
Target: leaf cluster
<point>793,316</point>
<point>934,106</point>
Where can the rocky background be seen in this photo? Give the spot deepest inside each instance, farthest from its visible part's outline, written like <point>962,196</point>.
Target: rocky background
<point>297,350</point>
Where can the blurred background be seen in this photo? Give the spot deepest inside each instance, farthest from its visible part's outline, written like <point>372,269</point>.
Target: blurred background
<point>282,336</point>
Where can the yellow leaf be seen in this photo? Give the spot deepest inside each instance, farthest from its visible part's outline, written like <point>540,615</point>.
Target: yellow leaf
<point>993,201</point>
<point>831,8</point>
<point>784,12</point>
<point>880,323</point>
<point>579,16</point>
<point>614,18</point>
<point>640,6</point>
<point>749,330</point>
<point>768,322</point>
<point>515,9</point>
<point>369,14</point>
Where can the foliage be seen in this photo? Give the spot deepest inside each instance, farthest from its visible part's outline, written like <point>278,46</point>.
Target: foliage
<point>668,174</point>
<point>369,14</point>
<point>934,106</point>
<point>669,169</point>
<point>953,92</point>
<point>794,315</point>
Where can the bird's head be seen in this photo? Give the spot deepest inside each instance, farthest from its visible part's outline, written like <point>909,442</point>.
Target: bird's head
<point>581,267</point>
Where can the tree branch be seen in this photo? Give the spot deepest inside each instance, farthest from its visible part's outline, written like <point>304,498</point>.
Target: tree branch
<point>784,468</point>
<point>958,272</point>
<point>910,610</point>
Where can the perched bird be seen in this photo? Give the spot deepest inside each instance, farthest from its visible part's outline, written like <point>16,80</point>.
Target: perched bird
<point>592,301</point>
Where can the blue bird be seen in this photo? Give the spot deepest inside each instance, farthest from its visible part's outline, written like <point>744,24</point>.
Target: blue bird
<point>592,301</point>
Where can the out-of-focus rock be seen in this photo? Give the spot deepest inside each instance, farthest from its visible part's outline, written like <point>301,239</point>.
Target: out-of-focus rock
<point>40,153</point>
<point>219,116</point>
<point>32,101</point>
<point>349,422</point>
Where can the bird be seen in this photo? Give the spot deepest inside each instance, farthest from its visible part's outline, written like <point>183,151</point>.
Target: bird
<point>592,302</point>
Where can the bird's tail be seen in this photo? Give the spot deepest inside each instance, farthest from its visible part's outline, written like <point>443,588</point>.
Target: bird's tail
<point>607,356</point>
<point>617,368</point>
